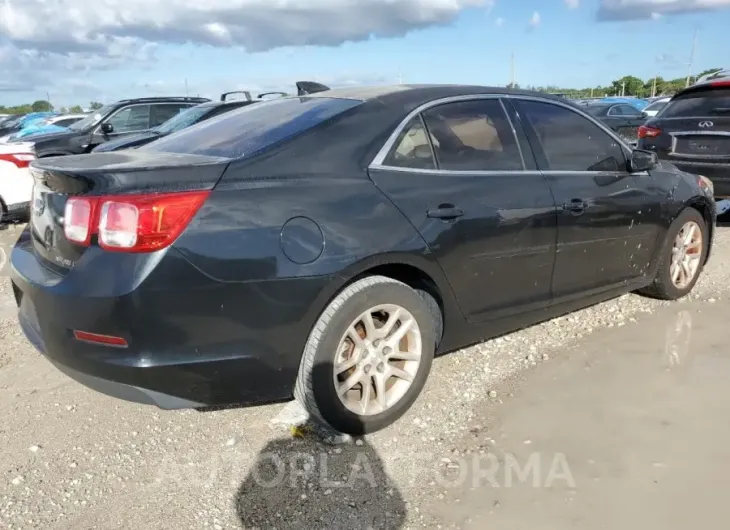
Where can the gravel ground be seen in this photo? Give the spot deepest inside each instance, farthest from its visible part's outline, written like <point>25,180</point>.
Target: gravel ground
<point>76,459</point>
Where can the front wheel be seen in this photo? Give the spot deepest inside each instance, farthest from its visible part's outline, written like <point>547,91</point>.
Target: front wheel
<point>368,356</point>
<point>682,258</point>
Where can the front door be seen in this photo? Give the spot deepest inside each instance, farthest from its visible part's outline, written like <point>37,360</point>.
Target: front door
<point>458,173</point>
<point>609,219</point>
<point>125,121</point>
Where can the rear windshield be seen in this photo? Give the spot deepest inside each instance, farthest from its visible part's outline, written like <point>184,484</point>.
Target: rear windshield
<point>699,104</point>
<point>246,131</point>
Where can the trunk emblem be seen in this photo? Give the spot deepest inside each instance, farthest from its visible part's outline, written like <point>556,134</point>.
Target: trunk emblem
<point>706,124</point>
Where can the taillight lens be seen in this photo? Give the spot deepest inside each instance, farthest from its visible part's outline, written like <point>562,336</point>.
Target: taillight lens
<point>21,160</point>
<point>646,131</point>
<point>131,223</point>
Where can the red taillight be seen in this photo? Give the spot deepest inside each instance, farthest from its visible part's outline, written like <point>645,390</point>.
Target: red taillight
<point>649,132</point>
<point>106,340</point>
<point>131,223</point>
<point>720,84</point>
<point>21,160</point>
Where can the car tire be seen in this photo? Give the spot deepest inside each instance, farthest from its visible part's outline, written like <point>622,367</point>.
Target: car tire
<point>332,343</point>
<point>664,287</point>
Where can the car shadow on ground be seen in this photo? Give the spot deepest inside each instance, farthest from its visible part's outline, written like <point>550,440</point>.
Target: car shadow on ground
<point>302,482</point>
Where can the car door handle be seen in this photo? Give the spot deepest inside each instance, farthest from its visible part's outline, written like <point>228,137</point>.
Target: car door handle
<point>445,212</point>
<point>575,206</point>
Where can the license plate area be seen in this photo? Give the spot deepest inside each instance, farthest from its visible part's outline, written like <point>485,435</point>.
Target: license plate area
<point>701,146</point>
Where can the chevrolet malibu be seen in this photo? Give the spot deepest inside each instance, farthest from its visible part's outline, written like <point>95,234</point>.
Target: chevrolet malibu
<point>326,247</point>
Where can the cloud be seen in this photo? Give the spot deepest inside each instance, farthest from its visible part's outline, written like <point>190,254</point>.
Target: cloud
<point>572,4</point>
<point>499,22</point>
<point>74,26</point>
<point>534,21</point>
<point>618,10</point>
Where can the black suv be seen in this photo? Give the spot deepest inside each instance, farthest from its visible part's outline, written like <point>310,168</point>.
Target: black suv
<point>200,113</point>
<point>693,131</point>
<point>110,122</point>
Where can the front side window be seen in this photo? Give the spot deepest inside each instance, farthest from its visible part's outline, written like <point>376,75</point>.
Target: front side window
<point>570,141</point>
<point>473,136</point>
<point>131,119</point>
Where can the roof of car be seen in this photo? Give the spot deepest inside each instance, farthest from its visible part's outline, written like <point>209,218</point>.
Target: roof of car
<point>415,95</point>
<point>229,103</point>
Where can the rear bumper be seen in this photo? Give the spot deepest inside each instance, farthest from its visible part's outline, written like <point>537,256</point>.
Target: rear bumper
<point>193,342</point>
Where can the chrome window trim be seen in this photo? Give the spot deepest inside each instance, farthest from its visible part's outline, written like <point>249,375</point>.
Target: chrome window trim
<point>613,107</point>
<point>377,162</point>
<point>457,173</point>
<point>674,135</point>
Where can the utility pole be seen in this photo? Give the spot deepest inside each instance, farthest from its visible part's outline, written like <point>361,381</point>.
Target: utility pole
<point>186,87</point>
<point>653,87</point>
<point>512,84</point>
<point>623,89</point>
<point>400,77</point>
<point>591,92</point>
<point>691,58</point>
<point>48,99</point>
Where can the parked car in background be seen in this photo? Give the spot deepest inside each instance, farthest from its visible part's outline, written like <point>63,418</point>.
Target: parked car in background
<point>693,132</point>
<point>16,183</point>
<point>326,246</point>
<point>47,125</point>
<point>623,118</point>
<point>111,122</point>
<point>653,108</point>
<point>10,125</point>
<point>638,103</point>
<point>198,114</point>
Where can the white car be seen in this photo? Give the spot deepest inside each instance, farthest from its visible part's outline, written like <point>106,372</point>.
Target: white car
<point>16,182</point>
<point>655,106</point>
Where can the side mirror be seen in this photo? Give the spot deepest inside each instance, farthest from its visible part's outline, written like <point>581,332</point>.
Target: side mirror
<point>107,128</point>
<point>642,160</point>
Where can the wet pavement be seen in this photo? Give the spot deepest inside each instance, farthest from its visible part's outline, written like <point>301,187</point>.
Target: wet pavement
<point>630,429</point>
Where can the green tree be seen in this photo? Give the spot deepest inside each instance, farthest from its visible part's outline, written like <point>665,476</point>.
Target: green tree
<point>628,85</point>
<point>41,106</point>
<point>709,71</point>
<point>76,109</point>
<point>95,105</point>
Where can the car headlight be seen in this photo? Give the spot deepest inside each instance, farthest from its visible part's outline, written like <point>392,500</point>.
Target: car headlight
<point>706,184</point>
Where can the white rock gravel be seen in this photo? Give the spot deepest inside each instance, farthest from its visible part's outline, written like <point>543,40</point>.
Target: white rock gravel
<point>72,458</point>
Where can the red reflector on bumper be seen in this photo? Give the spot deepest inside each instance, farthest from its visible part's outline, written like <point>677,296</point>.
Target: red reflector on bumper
<point>106,340</point>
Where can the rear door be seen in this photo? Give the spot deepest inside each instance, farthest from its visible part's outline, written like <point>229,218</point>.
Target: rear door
<point>161,112</point>
<point>468,183</point>
<point>609,220</point>
<point>693,132</point>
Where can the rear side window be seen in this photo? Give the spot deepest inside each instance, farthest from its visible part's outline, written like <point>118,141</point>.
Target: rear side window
<point>473,136</point>
<point>699,104</point>
<point>246,131</point>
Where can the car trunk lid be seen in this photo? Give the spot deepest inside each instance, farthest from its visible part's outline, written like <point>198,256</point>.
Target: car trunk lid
<point>100,175</point>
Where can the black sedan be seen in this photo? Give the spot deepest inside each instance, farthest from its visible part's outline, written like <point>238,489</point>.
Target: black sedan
<point>327,246</point>
<point>622,118</point>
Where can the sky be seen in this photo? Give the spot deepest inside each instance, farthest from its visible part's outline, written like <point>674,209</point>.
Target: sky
<point>76,51</point>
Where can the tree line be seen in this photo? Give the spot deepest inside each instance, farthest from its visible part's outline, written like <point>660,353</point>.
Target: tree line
<point>42,105</point>
<point>628,85</point>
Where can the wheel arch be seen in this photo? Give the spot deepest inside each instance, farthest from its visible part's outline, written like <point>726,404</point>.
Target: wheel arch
<point>418,272</point>
<point>704,207</point>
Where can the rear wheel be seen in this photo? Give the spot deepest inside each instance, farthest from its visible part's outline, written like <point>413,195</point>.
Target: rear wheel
<point>368,356</point>
<point>682,258</point>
